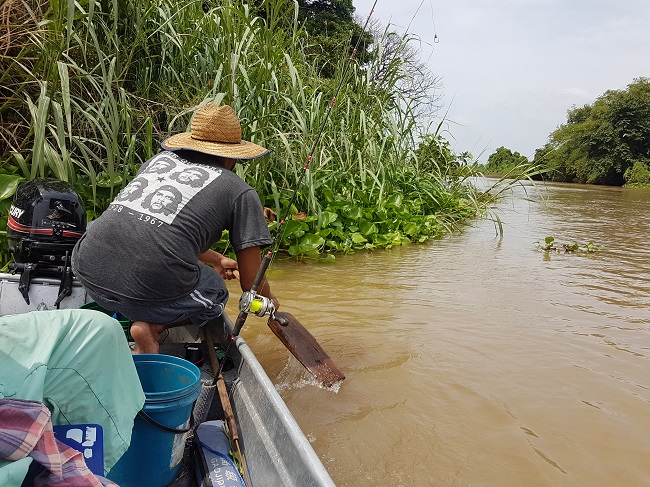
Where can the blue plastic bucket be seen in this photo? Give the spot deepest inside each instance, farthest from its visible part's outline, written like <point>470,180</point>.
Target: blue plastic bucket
<point>171,386</point>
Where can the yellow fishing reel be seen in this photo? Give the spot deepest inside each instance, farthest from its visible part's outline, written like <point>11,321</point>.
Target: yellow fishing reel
<point>256,304</point>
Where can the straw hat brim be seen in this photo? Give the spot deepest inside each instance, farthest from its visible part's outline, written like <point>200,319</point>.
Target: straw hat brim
<point>243,150</point>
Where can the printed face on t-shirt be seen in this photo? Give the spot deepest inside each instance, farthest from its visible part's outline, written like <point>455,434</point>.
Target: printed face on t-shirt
<point>192,176</point>
<point>160,165</point>
<point>163,201</point>
<point>133,190</point>
<point>163,187</point>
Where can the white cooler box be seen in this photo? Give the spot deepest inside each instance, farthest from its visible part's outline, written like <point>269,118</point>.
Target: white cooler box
<point>43,293</point>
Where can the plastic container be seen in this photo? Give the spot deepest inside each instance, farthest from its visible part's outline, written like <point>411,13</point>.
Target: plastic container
<point>171,387</point>
<point>125,322</point>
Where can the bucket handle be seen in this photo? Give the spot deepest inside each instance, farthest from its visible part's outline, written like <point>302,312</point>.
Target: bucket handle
<point>167,429</point>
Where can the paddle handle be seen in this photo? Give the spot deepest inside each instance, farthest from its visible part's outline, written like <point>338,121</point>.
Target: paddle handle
<point>227,408</point>
<point>221,386</point>
<point>225,401</point>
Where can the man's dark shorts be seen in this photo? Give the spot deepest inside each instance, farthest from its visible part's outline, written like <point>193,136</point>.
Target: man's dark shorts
<point>204,303</point>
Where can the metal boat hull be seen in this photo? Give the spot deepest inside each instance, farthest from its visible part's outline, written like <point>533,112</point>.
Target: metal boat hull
<point>278,452</point>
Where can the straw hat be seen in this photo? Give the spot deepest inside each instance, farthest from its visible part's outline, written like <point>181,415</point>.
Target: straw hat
<point>215,130</point>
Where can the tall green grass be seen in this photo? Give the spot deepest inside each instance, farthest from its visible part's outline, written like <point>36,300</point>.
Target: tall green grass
<point>88,96</point>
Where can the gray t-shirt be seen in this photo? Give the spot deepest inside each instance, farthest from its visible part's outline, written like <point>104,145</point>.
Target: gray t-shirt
<point>146,245</point>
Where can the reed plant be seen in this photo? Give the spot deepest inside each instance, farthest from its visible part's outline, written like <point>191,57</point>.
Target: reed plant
<point>90,88</point>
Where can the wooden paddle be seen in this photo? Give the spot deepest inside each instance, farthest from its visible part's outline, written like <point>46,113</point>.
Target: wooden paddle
<point>229,416</point>
<point>302,345</point>
<point>305,348</point>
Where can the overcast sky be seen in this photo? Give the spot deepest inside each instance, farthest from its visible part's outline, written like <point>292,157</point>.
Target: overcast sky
<point>511,69</point>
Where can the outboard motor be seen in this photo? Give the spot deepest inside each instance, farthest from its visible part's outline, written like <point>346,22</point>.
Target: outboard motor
<point>45,222</point>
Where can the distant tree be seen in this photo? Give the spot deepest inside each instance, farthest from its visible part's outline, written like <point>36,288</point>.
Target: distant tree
<point>398,57</point>
<point>602,141</point>
<point>638,175</point>
<point>334,33</point>
<point>330,27</point>
<point>433,155</point>
<point>504,161</point>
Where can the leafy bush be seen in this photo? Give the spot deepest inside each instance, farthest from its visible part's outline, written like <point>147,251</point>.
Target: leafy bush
<point>601,141</point>
<point>638,175</point>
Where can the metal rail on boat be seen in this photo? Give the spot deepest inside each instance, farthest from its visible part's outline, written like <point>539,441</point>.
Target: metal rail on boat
<point>277,450</point>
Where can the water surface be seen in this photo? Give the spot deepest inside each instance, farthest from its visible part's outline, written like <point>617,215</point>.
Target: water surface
<point>478,360</point>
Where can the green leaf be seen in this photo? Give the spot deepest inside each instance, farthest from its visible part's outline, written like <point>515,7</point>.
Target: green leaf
<point>5,205</point>
<point>394,200</point>
<point>333,245</point>
<point>352,211</point>
<point>311,241</point>
<point>330,259</point>
<point>411,229</point>
<point>312,253</point>
<point>357,238</point>
<point>368,228</point>
<point>328,194</point>
<point>327,218</point>
<point>381,214</point>
<point>104,180</point>
<point>382,240</point>
<point>571,247</point>
<point>294,229</point>
<point>8,185</point>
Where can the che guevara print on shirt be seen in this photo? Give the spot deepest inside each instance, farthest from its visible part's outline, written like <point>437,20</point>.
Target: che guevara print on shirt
<point>164,186</point>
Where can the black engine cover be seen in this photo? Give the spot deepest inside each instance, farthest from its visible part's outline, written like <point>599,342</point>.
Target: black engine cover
<point>45,221</point>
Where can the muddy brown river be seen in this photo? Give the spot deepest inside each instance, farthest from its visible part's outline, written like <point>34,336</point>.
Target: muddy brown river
<point>477,360</point>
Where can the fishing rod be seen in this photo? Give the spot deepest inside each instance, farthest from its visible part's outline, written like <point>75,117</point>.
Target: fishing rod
<point>251,302</point>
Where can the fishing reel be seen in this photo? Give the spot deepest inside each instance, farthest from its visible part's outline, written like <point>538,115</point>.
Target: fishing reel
<point>259,305</point>
<point>256,304</point>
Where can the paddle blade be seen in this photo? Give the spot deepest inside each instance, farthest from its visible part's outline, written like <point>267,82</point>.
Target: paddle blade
<point>306,349</point>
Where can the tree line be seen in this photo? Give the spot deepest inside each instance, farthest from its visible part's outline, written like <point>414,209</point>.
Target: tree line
<point>604,142</point>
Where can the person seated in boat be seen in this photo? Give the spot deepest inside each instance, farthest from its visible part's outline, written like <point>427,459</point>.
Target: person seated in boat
<point>63,367</point>
<point>145,256</point>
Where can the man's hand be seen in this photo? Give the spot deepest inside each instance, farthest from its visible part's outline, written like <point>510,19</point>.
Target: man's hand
<point>270,215</point>
<point>225,266</point>
<point>249,263</point>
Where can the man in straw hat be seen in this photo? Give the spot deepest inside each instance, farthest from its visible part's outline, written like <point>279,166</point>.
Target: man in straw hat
<point>145,256</point>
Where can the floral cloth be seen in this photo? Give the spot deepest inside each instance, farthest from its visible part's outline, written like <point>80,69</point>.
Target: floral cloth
<point>26,431</point>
